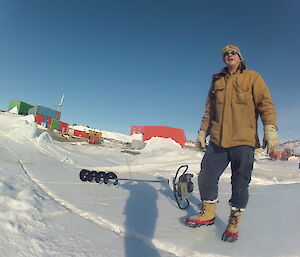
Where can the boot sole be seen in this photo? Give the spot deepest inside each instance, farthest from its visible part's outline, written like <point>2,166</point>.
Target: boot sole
<point>230,238</point>
<point>195,224</point>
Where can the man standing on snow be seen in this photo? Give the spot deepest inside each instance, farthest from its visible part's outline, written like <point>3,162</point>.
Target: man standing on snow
<point>235,99</point>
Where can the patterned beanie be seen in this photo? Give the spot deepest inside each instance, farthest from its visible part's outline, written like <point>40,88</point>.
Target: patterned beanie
<point>232,48</point>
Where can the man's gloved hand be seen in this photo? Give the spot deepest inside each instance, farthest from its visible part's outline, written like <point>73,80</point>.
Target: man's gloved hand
<point>271,139</point>
<point>200,141</point>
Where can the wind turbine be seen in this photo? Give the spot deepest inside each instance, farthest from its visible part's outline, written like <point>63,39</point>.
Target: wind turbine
<point>61,103</point>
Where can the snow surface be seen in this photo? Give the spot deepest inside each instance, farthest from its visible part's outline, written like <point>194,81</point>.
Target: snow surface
<point>46,210</point>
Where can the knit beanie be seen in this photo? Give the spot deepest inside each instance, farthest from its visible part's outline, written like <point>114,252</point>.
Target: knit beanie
<point>232,48</point>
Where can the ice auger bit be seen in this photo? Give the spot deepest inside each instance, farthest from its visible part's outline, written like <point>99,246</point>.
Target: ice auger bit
<point>105,177</point>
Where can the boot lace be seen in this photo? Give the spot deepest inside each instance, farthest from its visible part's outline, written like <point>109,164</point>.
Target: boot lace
<point>202,210</point>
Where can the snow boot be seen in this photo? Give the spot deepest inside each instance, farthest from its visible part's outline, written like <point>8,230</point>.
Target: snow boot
<point>205,217</point>
<point>232,230</point>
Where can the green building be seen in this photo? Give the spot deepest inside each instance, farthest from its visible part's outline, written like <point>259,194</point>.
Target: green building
<point>19,107</point>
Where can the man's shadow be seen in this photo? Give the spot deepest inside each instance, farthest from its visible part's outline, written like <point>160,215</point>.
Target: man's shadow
<point>141,214</point>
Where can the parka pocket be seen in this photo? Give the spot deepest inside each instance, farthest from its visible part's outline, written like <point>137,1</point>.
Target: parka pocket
<point>241,98</point>
<point>241,92</point>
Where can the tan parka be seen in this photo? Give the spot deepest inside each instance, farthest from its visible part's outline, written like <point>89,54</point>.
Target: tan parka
<point>232,108</point>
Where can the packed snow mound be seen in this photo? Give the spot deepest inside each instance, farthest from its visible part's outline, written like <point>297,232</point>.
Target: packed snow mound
<point>121,137</point>
<point>137,137</point>
<point>29,118</point>
<point>44,139</point>
<point>23,129</point>
<point>159,143</point>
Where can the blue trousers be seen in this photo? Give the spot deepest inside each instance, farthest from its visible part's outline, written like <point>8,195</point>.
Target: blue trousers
<point>213,164</point>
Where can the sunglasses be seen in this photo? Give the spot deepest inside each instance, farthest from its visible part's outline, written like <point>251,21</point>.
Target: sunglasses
<point>230,52</point>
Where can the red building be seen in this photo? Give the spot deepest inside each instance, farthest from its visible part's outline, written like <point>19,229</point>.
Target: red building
<point>160,131</point>
<point>63,127</point>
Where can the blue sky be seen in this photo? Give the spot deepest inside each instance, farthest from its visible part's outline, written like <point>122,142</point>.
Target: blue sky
<point>140,62</point>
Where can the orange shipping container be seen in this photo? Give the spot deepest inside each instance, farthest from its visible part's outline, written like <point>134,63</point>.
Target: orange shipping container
<point>275,155</point>
<point>79,133</point>
<point>94,139</point>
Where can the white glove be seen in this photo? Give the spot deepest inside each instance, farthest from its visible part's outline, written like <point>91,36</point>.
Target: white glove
<point>271,139</point>
<point>200,141</point>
